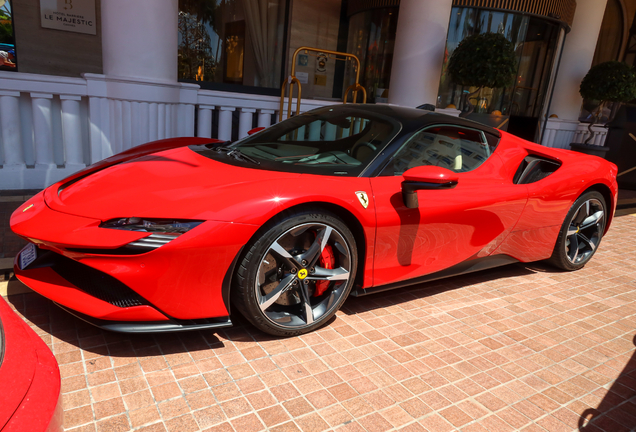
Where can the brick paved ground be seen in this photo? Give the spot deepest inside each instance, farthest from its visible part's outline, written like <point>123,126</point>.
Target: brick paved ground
<point>517,348</point>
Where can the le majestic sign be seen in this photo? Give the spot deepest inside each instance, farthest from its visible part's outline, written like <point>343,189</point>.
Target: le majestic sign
<point>69,15</point>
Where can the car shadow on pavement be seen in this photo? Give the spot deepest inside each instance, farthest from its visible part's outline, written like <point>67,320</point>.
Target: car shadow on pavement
<point>491,277</point>
<point>64,332</point>
<point>617,409</point>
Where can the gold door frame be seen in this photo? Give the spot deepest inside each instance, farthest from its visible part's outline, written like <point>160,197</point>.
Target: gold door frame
<point>291,80</point>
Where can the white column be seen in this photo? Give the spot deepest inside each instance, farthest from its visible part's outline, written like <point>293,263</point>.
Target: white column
<point>578,52</point>
<point>153,122</point>
<point>161,121</point>
<point>72,132</point>
<point>127,125</point>
<point>314,130</point>
<point>204,121</point>
<point>42,129</point>
<point>245,121</point>
<point>225,123</point>
<point>418,55</point>
<point>265,117</point>
<point>139,38</point>
<point>10,124</point>
<point>186,120</point>
<point>144,123</point>
<point>168,122</point>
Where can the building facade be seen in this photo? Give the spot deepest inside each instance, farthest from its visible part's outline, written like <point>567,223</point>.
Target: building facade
<point>91,78</point>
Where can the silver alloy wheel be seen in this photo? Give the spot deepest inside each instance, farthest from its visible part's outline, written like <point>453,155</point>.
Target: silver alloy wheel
<point>290,272</point>
<point>585,231</point>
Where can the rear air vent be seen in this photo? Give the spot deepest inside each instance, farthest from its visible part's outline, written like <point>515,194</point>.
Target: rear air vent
<point>535,168</point>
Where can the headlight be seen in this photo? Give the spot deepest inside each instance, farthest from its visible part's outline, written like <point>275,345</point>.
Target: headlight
<point>151,225</point>
<point>163,230</point>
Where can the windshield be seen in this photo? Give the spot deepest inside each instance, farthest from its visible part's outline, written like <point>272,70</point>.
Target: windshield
<point>339,140</point>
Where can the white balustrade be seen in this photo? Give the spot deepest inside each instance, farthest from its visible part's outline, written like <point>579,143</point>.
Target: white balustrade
<point>42,130</point>
<point>314,131</point>
<point>448,111</point>
<point>204,125</point>
<point>225,123</point>
<point>599,134</point>
<point>245,121</point>
<point>153,128</point>
<point>561,133</point>
<point>265,117</point>
<point>54,126</point>
<point>72,131</point>
<point>11,134</point>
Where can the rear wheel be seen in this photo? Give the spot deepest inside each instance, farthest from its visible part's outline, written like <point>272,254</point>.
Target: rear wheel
<point>581,232</point>
<point>295,277</point>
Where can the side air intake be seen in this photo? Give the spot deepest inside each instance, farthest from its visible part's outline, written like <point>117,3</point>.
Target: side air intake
<point>535,168</point>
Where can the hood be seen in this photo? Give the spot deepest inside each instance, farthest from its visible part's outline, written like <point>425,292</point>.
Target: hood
<point>175,184</point>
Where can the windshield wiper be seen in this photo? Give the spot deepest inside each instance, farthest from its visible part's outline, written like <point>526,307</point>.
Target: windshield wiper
<point>236,154</point>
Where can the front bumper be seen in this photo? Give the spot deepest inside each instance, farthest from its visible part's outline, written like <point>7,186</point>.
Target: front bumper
<point>184,280</point>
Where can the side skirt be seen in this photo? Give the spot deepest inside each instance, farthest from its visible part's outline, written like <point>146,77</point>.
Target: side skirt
<point>459,269</point>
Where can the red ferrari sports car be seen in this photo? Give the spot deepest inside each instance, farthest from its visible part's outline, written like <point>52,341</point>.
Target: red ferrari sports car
<point>283,225</point>
<point>29,378</point>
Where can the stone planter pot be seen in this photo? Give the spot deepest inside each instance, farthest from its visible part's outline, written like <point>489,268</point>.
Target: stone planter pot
<point>590,149</point>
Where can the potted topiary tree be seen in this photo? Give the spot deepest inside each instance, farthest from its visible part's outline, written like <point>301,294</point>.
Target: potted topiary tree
<point>483,60</point>
<point>607,82</point>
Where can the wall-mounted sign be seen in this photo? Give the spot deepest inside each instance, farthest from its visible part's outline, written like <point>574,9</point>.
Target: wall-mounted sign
<point>303,60</point>
<point>69,15</point>
<point>303,77</point>
<point>320,80</point>
<point>321,62</point>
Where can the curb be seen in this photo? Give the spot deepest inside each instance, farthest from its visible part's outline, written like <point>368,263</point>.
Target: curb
<point>6,264</point>
<point>13,287</point>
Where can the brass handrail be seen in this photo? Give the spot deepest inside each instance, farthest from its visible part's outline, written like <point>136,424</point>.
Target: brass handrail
<point>292,79</point>
<point>356,87</point>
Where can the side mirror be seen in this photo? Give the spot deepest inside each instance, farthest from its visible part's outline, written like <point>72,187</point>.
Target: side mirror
<point>425,177</point>
<point>255,130</point>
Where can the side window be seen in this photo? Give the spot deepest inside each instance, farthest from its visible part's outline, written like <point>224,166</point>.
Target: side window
<point>455,148</point>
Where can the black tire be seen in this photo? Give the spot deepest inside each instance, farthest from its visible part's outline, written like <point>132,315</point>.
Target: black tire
<point>581,232</point>
<point>280,285</point>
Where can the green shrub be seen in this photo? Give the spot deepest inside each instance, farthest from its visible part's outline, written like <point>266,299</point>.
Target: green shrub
<point>611,81</point>
<point>483,60</point>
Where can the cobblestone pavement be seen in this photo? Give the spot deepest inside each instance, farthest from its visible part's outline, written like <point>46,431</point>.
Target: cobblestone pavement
<point>522,347</point>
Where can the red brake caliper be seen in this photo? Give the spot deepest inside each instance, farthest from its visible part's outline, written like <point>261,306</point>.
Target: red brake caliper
<point>326,261</point>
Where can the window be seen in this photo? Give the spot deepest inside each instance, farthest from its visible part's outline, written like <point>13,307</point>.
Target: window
<point>8,58</point>
<point>454,148</point>
<point>236,42</point>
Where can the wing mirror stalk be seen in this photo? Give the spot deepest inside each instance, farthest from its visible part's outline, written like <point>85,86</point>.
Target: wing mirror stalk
<point>425,178</point>
<point>410,188</point>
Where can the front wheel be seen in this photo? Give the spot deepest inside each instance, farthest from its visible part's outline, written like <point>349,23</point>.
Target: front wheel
<point>581,232</point>
<point>295,277</point>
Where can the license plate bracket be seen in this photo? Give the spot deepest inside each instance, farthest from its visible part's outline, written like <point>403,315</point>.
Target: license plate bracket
<point>27,256</point>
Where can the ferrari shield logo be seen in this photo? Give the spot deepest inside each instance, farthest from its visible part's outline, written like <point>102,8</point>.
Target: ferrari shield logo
<point>302,273</point>
<point>363,198</point>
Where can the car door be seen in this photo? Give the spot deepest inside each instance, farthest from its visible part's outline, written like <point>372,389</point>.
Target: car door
<point>449,225</point>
